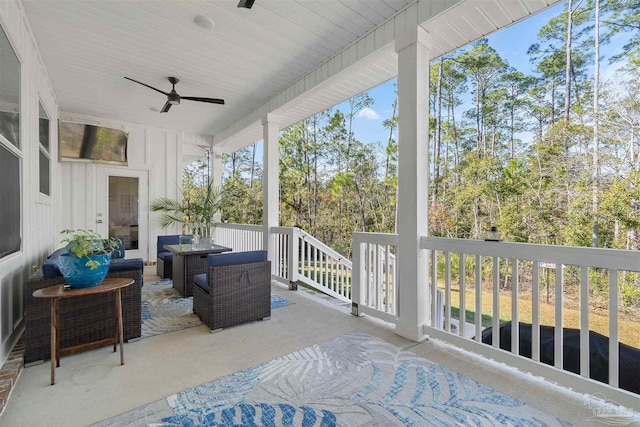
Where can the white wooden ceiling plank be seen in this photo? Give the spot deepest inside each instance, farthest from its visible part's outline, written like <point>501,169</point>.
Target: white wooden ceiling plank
<point>381,9</point>
<point>339,15</point>
<point>319,30</point>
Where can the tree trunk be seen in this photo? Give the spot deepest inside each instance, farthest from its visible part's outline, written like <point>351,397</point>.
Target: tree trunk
<point>567,84</point>
<point>437,137</point>
<point>596,165</point>
<point>253,163</point>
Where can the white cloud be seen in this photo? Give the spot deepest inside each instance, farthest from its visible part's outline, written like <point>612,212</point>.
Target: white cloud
<point>368,114</point>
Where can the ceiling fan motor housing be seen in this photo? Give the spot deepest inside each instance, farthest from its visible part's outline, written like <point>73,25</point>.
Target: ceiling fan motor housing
<point>174,98</point>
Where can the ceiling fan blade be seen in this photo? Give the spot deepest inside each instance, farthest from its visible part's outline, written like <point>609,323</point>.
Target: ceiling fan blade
<point>150,87</point>
<point>246,3</point>
<point>209,100</point>
<point>166,107</point>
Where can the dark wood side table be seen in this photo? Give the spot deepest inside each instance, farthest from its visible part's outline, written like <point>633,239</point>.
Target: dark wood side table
<point>58,291</point>
<point>189,261</point>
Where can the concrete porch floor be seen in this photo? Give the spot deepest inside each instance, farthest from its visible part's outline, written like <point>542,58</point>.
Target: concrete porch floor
<point>91,386</point>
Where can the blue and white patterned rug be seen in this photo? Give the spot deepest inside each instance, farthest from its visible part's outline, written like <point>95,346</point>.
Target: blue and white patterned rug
<point>352,380</point>
<point>165,310</point>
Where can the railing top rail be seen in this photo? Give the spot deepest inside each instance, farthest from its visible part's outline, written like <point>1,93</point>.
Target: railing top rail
<point>375,238</point>
<point>616,259</point>
<point>314,241</point>
<point>248,227</point>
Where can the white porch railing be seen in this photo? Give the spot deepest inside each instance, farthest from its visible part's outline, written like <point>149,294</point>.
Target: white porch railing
<point>302,257</point>
<point>240,237</point>
<point>374,261</point>
<point>524,262</point>
<point>299,256</point>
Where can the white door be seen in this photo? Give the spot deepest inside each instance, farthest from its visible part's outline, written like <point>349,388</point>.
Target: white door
<point>122,208</point>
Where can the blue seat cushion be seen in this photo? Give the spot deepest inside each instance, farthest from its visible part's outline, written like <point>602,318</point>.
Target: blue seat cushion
<point>233,258</point>
<point>200,280</point>
<point>173,239</point>
<point>57,252</point>
<point>122,264</point>
<point>165,256</point>
<point>51,267</point>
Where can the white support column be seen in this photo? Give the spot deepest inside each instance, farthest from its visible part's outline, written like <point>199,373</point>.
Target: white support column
<point>270,183</point>
<point>413,181</point>
<point>217,169</point>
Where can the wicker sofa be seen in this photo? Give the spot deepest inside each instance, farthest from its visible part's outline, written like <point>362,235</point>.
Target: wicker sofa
<point>83,319</point>
<point>235,289</point>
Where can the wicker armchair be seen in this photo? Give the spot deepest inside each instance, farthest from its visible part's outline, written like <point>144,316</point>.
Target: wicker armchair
<point>235,289</point>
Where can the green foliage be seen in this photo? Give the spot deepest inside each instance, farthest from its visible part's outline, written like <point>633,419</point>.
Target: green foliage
<point>195,212</point>
<point>83,243</point>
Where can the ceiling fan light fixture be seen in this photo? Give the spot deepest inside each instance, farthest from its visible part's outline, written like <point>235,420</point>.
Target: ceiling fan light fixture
<point>204,22</point>
<point>247,4</point>
<point>174,98</point>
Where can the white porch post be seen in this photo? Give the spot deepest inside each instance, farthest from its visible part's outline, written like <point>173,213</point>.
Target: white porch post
<point>413,180</point>
<point>270,183</point>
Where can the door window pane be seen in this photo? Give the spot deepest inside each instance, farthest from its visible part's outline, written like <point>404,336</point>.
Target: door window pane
<point>123,210</point>
<point>45,157</point>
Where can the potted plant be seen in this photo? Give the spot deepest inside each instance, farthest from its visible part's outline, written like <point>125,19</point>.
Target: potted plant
<point>88,256</point>
<point>196,212</point>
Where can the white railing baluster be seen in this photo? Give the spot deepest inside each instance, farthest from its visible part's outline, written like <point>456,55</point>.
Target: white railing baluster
<point>478,293</point>
<point>496,303</point>
<point>434,289</point>
<point>584,321</point>
<point>387,279</point>
<point>378,280</point>
<point>613,329</point>
<point>447,290</point>
<point>315,264</point>
<point>462,296</point>
<point>515,317</point>
<point>535,311</point>
<point>559,305</point>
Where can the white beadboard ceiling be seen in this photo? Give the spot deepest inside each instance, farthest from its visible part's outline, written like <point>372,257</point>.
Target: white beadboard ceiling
<point>250,58</point>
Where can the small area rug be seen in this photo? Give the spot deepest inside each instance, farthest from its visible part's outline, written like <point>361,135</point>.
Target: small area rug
<point>165,310</point>
<point>352,380</point>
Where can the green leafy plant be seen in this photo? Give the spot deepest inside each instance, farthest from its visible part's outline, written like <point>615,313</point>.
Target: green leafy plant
<point>195,213</point>
<point>84,243</point>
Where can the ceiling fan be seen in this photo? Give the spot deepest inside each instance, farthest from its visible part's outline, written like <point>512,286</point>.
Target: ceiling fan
<point>173,98</point>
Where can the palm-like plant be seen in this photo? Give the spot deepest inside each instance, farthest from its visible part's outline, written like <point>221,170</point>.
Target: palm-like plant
<point>195,212</point>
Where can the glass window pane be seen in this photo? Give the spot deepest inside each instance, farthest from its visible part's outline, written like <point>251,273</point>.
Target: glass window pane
<point>44,129</point>
<point>10,206</point>
<point>123,210</point>
<point>9,92</point>
<point>44,174</point>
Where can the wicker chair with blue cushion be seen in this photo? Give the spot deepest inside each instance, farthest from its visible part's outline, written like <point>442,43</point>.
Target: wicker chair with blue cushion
<point>164,267</point>
<point>235,289</point>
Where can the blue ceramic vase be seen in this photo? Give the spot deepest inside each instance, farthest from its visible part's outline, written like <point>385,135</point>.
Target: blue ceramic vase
<point>79,275</point>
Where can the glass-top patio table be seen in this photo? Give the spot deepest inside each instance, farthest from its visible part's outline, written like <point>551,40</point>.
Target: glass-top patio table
<point>189,260</point>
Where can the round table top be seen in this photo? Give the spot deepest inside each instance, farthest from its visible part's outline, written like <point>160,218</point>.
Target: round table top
<point>109,284</point>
